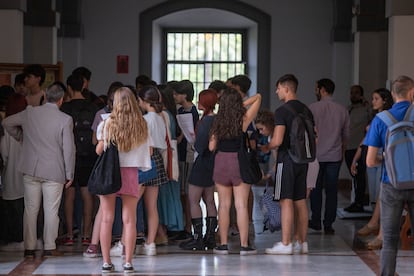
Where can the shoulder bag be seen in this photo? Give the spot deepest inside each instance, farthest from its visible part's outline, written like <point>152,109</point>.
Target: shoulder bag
<point>105,177</point>
<point>250,171</point>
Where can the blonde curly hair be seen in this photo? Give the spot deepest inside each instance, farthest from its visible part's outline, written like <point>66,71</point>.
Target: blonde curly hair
<point>127,127</point>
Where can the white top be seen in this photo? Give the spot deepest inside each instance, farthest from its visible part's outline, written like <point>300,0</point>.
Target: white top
<point>11,177</point>
<point>138,157</point>
<point>157,129</point>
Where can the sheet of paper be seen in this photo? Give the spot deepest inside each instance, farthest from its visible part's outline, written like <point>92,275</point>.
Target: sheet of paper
<point>185,121</point>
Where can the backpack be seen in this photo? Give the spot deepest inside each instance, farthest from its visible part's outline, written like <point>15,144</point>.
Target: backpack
<point>82,128</point>
<point>302,137</point>
<point>399,149</point>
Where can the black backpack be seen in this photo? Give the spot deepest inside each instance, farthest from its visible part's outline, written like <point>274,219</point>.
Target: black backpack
<point>82,129</point>
<point>302,147</point>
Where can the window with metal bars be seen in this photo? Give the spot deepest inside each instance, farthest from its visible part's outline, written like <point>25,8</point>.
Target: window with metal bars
<point>203,57</point>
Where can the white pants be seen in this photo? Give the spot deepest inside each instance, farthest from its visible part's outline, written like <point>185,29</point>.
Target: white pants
<point>35,189</point>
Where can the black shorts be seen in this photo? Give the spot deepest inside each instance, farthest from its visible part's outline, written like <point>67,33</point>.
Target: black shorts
<point>290,178</point>
<point>81,176</point>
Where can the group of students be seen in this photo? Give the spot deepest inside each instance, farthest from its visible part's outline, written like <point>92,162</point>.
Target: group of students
<point>143,127</point>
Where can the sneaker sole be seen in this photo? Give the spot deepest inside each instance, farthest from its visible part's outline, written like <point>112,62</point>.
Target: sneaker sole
<point>90,255</point>
<point>278,253</point>
<point>246,253</point>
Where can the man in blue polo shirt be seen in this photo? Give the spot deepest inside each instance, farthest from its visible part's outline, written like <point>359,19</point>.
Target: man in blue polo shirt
<point>392,200</point>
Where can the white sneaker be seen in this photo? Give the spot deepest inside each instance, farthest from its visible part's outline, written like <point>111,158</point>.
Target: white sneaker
<point>280,249</point>
<point>300,248</point>
<point>117,250</point>
<point>147,249</point>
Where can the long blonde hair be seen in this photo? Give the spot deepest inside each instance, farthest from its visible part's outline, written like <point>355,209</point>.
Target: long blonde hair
<point>127,127</point>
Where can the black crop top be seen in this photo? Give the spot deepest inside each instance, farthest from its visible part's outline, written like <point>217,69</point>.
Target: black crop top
<point>229,145</point>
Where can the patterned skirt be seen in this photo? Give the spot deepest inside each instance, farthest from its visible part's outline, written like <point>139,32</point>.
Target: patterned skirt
<point>161,178</point>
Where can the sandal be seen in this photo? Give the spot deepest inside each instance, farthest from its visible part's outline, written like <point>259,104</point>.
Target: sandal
<point>368,230</point>
<point>374,244</point>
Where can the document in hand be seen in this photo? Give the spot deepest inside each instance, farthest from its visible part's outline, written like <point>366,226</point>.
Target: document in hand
<point>185,121</point>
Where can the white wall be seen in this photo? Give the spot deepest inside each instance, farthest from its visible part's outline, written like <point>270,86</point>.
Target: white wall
<point>300,43</point>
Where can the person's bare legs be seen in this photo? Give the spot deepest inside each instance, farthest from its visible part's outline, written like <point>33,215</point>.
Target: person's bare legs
<point>69,203</point>
<point>97,227</point>
<point>129,218</point>
<point>150,198</point>
<point>108,213</point>
<point>241,199</point>
<point>287,216</point>
<point>301,220</point>
<point>87,211</point>
<point>224,195</point>
<point>375,219</point>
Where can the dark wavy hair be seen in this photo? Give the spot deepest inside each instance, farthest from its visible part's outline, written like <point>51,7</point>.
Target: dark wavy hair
<point>151,95</point>
<point>229,119</point>
<point>386,96</point>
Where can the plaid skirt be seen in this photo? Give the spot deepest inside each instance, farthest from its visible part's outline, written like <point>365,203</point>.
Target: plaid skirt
<point>161,178</point>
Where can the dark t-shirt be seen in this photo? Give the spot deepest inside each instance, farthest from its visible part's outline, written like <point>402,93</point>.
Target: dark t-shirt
<point>203,133</point>
<point>285,117</point>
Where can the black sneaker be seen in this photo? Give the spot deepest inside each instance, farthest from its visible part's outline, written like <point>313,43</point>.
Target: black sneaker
<point>329,230</point>
<point>244,251</point>
<point>354,208</point>
<point>314,225</point>
<point>128,268</point>
<point>221,250</point>
<point>108,268</point>
<point>29,253</point>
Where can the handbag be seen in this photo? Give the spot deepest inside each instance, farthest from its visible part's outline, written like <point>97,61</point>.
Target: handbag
<point>145,176</point>
<point>271,210</point>
<point>250,171</point>
<point>105,177</point>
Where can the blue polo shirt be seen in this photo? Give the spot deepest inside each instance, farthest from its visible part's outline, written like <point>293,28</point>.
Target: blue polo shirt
<point>378,129</point>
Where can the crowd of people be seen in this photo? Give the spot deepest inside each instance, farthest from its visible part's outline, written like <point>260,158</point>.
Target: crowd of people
<point>52,137</point>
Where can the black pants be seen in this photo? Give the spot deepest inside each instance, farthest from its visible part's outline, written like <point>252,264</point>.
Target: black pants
<point>13,221</point>
<point>360,178</point>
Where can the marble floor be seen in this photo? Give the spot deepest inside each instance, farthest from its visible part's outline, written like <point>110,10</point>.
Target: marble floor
<point>339,254</point>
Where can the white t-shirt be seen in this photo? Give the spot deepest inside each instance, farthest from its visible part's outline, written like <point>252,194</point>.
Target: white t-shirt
<point>138,157</point>
<point>157,129</point>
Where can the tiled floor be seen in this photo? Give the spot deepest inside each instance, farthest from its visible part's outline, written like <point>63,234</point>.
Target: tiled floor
<point>339,254</point>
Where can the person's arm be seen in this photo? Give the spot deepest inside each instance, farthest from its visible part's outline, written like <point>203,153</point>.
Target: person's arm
<point>254,103</point>
<point>13,125</point>
<point>373,159</point>
<point>69,151</point>
<point>212,144</point>
<point>277,139</point>
<point>354,164</point>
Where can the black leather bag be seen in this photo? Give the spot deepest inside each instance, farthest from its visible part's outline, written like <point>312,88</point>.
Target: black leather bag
<point>250,171</point>
<point>105,177</point>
